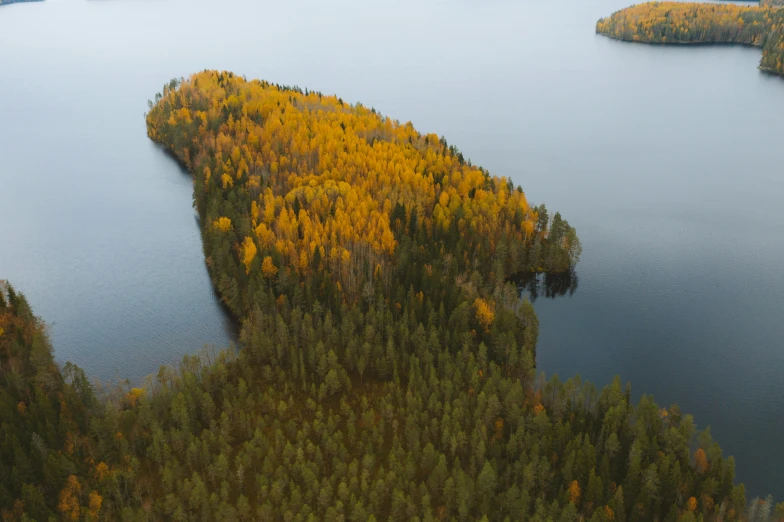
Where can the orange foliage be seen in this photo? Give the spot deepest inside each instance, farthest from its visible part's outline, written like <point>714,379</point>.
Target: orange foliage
<point>94,503</point>
<point>69,499</point>
<point>101,470</point>
<point>574,492</point>
<point>701,461</point>
<point>499,429</point>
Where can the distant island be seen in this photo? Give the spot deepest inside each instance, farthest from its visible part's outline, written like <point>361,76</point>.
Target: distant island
<point>6,2</point>
<point>698,23</point>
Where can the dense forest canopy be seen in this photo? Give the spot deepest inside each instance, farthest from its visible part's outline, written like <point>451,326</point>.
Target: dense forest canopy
<point>224,438</point>
<point>44,420</point>
<point>698,23</point>
<point>314,184</point>
<point>387,364</point>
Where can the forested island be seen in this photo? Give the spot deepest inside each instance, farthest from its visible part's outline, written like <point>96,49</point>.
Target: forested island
<point>702,23</point>
<point>6,2</point>
<point>387,368</point>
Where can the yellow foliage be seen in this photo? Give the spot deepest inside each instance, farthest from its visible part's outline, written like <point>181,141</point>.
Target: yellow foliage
<point>134,394</point>
<point>484,313</point>
<point>692,504</point>
<point>688,22</point>
<point>223,224</point>
<point>265,235</point>
<point>332,175</point>
<point>268,268</point>
<point>303,261</point>
<point>248,253</point>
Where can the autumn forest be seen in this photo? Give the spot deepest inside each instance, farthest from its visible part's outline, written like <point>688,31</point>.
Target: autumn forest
<point>703,23</point>
<point>387,362</point>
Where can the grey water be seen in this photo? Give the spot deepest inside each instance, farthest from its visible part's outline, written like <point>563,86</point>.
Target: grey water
<point>667,160</point>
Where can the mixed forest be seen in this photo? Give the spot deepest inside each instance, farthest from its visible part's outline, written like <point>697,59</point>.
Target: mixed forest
<point>387,367</point>
<point>702,23</point>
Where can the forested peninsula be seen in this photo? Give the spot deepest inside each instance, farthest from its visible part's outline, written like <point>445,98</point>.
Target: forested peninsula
<point>702,23</point>
<point>387,368</point>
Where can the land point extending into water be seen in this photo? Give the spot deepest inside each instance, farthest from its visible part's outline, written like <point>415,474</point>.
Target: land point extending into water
<point>702,23</point>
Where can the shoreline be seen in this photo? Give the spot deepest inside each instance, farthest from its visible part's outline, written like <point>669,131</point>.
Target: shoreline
<point>677,44</point>
<point>766,70</point>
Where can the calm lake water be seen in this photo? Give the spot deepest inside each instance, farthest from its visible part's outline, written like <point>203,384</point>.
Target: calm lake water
<point>667,160</point>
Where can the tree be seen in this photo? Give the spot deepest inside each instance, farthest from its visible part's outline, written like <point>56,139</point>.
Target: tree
<point>223,224</point>
<point>574,492</point>
<point>484,313</point>
<point>701,460</point>
<point>486,484</point>
<point>69,499</point>
<point>248,253</point>
<point>268,268</point>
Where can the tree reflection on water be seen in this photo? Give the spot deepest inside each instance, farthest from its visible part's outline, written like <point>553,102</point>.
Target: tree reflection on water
<point>545,284</point>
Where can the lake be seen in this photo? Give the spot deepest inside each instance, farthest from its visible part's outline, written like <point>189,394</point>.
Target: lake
<point>665,160</point>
